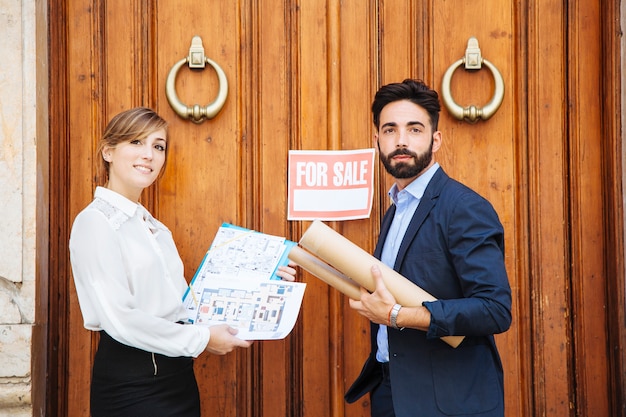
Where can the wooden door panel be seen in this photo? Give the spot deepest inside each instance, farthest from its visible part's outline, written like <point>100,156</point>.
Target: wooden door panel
<point>547,171</point>
<point>486,155</point>
<point>302,76</point>
<point>589,274</point>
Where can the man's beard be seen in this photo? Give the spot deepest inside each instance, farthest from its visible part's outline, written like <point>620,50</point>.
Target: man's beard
<point>407,170</point>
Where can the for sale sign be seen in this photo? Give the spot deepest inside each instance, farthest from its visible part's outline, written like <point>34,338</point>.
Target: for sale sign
<point>330,185</point>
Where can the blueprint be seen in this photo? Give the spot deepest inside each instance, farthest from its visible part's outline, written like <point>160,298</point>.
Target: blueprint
<point>236,284</point>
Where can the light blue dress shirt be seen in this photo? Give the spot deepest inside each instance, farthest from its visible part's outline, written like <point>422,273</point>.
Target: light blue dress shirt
<point>406,202</point>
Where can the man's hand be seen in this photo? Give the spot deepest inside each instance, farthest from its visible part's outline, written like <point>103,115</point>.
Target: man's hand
<point>377,305</point>
<point>223,340</point>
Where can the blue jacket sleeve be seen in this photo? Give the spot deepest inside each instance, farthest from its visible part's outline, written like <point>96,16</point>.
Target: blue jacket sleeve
<point>475,253</point>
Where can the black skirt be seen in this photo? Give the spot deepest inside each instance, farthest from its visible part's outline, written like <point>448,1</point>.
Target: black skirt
<point>127,381</point>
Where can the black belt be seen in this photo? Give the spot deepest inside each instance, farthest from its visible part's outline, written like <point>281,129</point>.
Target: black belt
<point>384,367</point>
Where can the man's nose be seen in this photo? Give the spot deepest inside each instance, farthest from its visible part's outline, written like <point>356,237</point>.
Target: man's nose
<point>402,139</point>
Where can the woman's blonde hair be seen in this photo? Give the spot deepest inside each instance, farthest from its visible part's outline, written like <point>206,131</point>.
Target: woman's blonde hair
<point>129,125</point>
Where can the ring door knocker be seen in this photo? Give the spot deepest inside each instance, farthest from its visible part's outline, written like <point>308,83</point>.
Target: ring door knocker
<point>473,61</point>
<point>196,59</point>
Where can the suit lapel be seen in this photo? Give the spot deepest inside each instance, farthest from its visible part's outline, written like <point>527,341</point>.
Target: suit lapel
<point>384,229</point>
<point>428,201</point>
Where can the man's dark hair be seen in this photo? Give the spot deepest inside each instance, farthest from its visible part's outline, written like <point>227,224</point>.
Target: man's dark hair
<point>415,91</point>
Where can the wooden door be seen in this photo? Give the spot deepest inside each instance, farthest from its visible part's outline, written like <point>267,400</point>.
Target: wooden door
<point>302,75</point>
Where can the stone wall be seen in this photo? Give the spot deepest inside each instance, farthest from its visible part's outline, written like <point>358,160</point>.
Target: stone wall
<point>23,114</point>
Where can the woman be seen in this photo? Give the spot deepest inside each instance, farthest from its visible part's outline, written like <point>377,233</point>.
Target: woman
<point>129,281</point>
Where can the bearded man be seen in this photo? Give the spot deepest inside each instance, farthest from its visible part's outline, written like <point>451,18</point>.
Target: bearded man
<point>448,240</point>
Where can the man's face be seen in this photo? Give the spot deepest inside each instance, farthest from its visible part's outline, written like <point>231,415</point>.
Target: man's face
<point>405,141</point>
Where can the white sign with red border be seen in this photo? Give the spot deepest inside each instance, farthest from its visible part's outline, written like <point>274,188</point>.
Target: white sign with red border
<point>330,185</point>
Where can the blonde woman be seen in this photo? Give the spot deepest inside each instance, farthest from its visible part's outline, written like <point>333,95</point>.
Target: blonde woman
<point>129,280</point>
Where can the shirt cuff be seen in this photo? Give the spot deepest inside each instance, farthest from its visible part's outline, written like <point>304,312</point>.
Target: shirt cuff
<point>203,334</point>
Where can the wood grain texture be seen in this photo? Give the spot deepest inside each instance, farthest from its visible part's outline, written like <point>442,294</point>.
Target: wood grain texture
<point>588,276</point>
<point>549,237</point>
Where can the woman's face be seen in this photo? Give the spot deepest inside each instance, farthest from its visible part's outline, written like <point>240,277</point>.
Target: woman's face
<point>136,164</point>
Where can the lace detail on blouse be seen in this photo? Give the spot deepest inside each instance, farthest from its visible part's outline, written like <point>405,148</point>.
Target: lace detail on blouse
<point>115,216</point>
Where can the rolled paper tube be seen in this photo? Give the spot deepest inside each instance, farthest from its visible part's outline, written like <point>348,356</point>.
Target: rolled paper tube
<point>325,272</point>
<point>349,259</point>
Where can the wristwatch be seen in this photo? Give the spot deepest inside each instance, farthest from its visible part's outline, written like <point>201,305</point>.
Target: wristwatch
<point>393,316</point>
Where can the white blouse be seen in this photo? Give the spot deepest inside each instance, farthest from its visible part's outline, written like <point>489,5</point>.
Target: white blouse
<point>129,277</point>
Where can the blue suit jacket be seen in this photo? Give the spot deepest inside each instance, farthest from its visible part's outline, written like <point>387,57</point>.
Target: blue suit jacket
<point>454,249</point>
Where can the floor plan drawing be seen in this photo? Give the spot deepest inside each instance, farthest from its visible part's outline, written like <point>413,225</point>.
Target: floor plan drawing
<point>236,284</point>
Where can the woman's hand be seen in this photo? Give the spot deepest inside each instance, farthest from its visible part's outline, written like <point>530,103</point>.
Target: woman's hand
<point>223,340</point>
<point>288,272</point>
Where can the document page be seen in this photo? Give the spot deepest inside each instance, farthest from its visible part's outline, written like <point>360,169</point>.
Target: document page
<point>236,284</point>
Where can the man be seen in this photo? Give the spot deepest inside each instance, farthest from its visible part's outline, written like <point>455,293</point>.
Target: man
<point>448,240</point>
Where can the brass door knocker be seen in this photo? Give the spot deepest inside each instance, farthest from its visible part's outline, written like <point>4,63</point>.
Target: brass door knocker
<point>473,61</point>
<point>196,59</point>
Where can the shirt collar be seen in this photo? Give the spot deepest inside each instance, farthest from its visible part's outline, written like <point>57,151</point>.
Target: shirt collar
<point>417,187</point>
<point>118,201</point>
